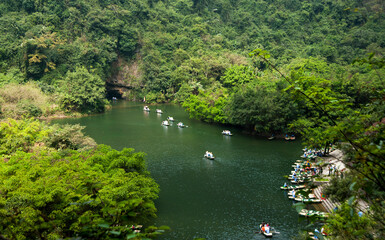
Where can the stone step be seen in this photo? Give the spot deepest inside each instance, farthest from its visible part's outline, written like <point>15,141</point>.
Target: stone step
<point>327,203</point>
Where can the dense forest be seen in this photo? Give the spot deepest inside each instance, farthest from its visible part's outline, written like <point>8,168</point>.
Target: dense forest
<point>74,54</point>
<point>314,68</point>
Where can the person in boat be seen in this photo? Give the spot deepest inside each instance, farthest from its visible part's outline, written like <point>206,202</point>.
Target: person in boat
<point>285,185</point>
<point>262,226</point>
<point>267,228</point>
<point>293,193</point>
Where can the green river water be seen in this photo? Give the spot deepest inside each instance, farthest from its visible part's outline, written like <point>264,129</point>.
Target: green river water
<point>222,199</point>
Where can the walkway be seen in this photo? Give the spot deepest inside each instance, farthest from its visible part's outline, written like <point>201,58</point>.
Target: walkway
<point>328,204</point>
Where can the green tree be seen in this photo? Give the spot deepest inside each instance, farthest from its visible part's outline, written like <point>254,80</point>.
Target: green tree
<point>83,91</point>
<point>237,75</point>
<point>360,131</point>
<point>208,105</point>
<point>261,107</point>
<point>21,135</point>
<point>61,194</point>
<point>345,223</point>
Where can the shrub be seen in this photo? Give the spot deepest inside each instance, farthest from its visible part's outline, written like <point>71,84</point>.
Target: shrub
<point>338,189</point>
<point>24,101</point>
<point>83,91</point>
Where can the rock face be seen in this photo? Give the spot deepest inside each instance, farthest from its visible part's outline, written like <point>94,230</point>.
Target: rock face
<point>126,77</point>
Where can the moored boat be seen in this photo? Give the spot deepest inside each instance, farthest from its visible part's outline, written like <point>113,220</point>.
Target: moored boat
<point>309,213</point>
<point>146,108</point>
<point>159,111</point>
<point>171,119</point>
<point>292,187</point>
<point>181,125</point>
<point>308,200</point>
<point>165,123</point>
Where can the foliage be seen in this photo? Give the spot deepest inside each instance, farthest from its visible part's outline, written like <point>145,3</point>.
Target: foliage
<point>69,137</point>
<point>208,106</point>
<point>21,135</point>
<point>12,76</point>
<point>177,42</point>
<point>339,188</point>
<point>83,91</point>
<point>62,194</point>
<point>24,100</point>
<point>261,106</point>
<point>57,183</point>
<point>361,127</point>
<point>237,75</point>
<point>345,223</point>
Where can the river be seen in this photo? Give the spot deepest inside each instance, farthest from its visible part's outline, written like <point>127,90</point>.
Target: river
<point>222,199</point>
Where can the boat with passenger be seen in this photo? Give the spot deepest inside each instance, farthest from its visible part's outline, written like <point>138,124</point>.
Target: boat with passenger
<point>171,119</point>
<point>209,155</point>
<point>146,108</point>
<point>266,230</point>
<point>159,111</point>
<point>181,125</point>
<point>165,123</point>
<point>227,133</point>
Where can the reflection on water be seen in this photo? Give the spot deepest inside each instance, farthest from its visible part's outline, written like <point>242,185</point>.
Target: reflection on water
<point>226,138</point>
<point>222,199</point>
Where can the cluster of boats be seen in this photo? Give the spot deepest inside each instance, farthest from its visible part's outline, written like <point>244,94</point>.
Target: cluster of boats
<point>310,213</point>
<point>302,173</point>
<point>289,138</point>
<point>147,109</point>
<point>312,153</point>
<point>167,122</point>
<point>170,120</point>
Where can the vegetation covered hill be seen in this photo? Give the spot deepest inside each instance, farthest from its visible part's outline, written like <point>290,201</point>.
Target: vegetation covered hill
<point>166,50</point>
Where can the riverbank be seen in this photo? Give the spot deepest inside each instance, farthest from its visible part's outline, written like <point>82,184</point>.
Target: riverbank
<point>335,167</point>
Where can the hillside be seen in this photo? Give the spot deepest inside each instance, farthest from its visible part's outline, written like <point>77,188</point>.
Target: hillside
<point>175,42</point>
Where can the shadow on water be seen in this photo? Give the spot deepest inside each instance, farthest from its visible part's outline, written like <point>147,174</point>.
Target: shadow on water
<point>222,199</point>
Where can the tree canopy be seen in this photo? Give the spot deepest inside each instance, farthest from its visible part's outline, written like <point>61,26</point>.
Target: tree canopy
<point>56,183</point>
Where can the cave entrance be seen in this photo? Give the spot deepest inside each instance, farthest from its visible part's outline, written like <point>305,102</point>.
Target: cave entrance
<point>112,93</point>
